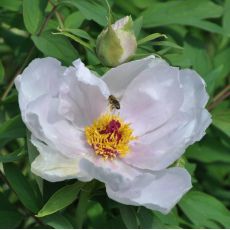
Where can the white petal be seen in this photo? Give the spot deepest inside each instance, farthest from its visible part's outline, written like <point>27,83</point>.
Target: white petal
<point>195,95</point>
<point>118,78</point>
<point>152,98</point>
<point>115,172</point>
<point>83,96</point>
<point>161,147</point>
<point>157,191</point>
<point>52,166</point>
<point>40,77</point>
<point>43,120</point>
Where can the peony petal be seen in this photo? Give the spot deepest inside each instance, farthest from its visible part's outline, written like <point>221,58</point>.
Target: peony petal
<point>46,124</point>
<point>83,96</point>
<point>42,76</point>
<point>53,166</point>
<point>160,148</point>
<point>158,191</point>
<point>195,95</point>
<point>152,98</point>
<point>119,78</point>
<point>116,172</point>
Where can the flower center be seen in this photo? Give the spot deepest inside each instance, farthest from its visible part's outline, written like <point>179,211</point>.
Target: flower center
<point>109,136</point>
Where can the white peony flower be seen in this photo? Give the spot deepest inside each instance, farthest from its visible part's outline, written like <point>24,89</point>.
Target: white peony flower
<point>79,134</point>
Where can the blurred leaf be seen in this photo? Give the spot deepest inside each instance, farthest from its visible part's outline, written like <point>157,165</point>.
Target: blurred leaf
<point>14,156</point>
<point>206,25</point>
<point>96,215</point>
<point>221,59</point>
<point>2,72</point>
<point>209,151</point>
<point>129,217</point>
<point>211,79</point>
<point>204,210</point>
<point>180,12</point>
<point>57,221</point>
<point>55,46</point>
<point>221,119</point>
<point>21,186</point>
<point>11,129</point>
<point>60,199</point>
<point>137,24</point>
<point>33,12</point>
<point>91,9</point>
<point>32,154</point>
<point>13,5</point>
<point>146,218</point>
<point>226,18</point>
<point>194,49</point>
<point>10,219</point>
<point>168,44</point>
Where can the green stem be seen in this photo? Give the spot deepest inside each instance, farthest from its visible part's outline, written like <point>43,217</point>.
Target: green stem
<point>83,204</point>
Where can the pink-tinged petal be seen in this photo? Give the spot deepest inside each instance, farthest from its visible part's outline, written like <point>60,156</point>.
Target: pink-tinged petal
<point>83,96</point>
<point>52,166</point>
<point>46,124</point>
<point>158,191</point>
<point>195,95</point>
<point>115,172</point>
<point>119,78</point>
<point>161,147</point>
<point>152,98</point>
<point>57,102</point>
<point>155,190</point>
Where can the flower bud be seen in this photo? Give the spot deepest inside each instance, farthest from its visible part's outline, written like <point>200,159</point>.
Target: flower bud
<point>117,43</point>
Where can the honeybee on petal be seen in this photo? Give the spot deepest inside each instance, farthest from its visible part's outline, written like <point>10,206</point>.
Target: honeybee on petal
<point>113,102</point>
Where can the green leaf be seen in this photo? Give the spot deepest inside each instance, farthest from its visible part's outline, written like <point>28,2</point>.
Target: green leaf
<point>137,24</point>
<point>33,13</point>
<point>221,119</point>
<point>226,18</point>
<point>60,199</point>
<point>2,73</point>
<point>22,187</point>
<point>74,20</point>
<point>209,152</point>
<point>12,5</point>
<point>211,79</point>
<point>76,39</point>
<point>194,49</point>
<point>91,9</point>
<point>146,218</point>
<point>168,44</point>
<point>151,37</point>
<point>11,129</point>
<point>180,12</point>
<point>204,210</point>
<point>10,219</point>
<point>14,156</point>
<point>55,46</point>
<point>128,216</point>
<point>32,154</point>
<point>80,33</point>
<point>57,221</point>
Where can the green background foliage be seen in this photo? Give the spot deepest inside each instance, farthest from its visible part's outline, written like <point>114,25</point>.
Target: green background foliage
<point>198,37</point>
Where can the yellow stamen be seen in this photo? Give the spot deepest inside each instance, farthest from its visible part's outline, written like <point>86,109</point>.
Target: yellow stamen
<point>109,136</point>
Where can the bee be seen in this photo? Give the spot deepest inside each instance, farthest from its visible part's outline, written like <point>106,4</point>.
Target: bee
<point>114,103</point>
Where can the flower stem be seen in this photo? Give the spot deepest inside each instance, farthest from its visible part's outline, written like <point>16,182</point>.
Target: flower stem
<point>83,204</point>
